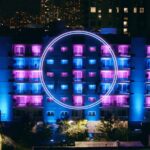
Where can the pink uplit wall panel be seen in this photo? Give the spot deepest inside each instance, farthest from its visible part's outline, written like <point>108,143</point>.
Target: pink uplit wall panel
<point>148,50</point>
<point>36,50</point>
<point>105,50</point>
<point>20,74</point>
<point>148,74</point>
<point>110,74</point>
<point>123,74</point>
<point>19,49</point>
<point>50,74</point>
<point>115,100</point>
<point>78,49</point>
<point>123,49</point>
<point>147,103</point>
<point>34,74</point>
<point>64,49</point>
<point>92,49</point>
<point>28,100</point>
<point>78,74</point>
<point>107,74</point>
<point>78,100</point>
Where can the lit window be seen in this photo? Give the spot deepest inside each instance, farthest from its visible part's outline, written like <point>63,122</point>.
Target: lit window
<point>135,10</point>
<point>125,23</point>
<point>117,9</point>
<point>141,10</point>
<point>91,113</point>
<point>64,61</point>
<point>50,61</point>
<point>50,113</point>
<point>99,16</point>
<point>64,86</point>
<point>92,61</point>
<point>125,10</point>
<point>125,31</point>
<point>93,9</point>
<point>109,10</point>
<point>92,87</point>
<point>99,11</point>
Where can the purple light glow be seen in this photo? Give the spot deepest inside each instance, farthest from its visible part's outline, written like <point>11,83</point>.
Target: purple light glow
<point>117,100</point>
<point>34,74</point>
<point>147,103</point>
<point>64,74</point>
<point>78,49</point>
<point>110,74</point>
<point>123,49</point>
<point>78,74</point>
<point>64,49</point>
<point>50,74</point>
<point>36,50</point>
<point>92,74</point>
<point>105,50</point>
<point>19,49</point>
<point>92,99</point>
<point>28,100</point>
<point>20,74</point>
<point>78,100</point>
<point>64,99</point>
<point>92,49</point>
<point>50,49</point>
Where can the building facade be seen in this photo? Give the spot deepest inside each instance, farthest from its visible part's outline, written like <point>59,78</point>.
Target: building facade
<point>77,72</point>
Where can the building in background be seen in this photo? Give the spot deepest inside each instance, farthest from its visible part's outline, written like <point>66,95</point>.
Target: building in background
<point>128,17</point>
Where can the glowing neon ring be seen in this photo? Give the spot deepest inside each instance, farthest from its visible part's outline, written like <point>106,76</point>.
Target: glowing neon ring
<point>78,32</point>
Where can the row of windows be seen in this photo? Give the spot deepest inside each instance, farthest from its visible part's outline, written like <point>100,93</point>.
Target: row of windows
<point>117,10</point>
<point>66,114</point>
<point>79,88</point>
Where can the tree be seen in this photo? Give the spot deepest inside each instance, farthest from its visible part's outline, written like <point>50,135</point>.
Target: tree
<point>75,130</point>
<point>112,130</point>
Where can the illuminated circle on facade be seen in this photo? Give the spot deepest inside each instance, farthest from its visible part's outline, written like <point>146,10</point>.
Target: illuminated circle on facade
<point>57,39</point>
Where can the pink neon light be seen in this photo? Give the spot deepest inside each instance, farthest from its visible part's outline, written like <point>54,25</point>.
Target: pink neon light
<point>92,99</point>
<point>78,100</point>
<point>64,74</point>
<point>50,74</point>
<point>105,50</point>
<point>110,74</point>
<point>92,49</point>
<point>115,100</point>
<point>50,49</point>
<point>147,103</point>
<point>92,74</point>
<point>78,74</point>
<point>50,99</point>
<point>36,50</point>
<point>64,49</point>
<point>34,74</point>
<point>148,74</point>
<point>78,49</point>
<point>28,100</point>
<point>19,49</point>
<point>123,49</point>
<point>64,99</point>
<point>20,74</point>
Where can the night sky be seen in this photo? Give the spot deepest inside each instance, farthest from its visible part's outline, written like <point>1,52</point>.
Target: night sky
<point>9,7</point>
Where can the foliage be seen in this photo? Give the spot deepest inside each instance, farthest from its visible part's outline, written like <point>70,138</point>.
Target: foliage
<point>75,131</point>
<point>112,130</point>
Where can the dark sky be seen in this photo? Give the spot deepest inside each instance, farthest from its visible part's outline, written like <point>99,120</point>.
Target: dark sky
<point>8,7</point>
